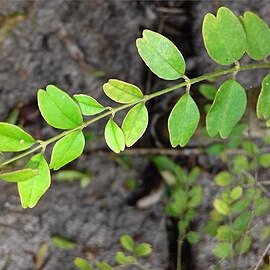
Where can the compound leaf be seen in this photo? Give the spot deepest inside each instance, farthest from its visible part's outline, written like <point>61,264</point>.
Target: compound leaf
<point>31,190</point>
<point>122,92</point>
<point>227,109</point>
<point>14,139</point>
<point>88,105</point>
<point>67,149</point>
<point>19,176</point>
<point>58,108</point>
<point>263,104</point>
<point>258,36</point>
<point>135,124</point>
<point>161,55</point>
<point>224,36</point>
<point>183,121</point>
<point>114,136</point>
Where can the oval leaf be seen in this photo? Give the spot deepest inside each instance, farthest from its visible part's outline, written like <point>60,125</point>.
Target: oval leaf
<point>258,36</point>
<point>135,124</point>
<point>31,190</point>
<point>161,55</point>
<point>67,149</point>
<point>19,176</point>
<point>127,242</point>
<point>88,105</point>
<point>14,139</point>
<point>82,264</point>
<point>263,104</point>
<point>122,92</point>
<point>224,36</point>
<point>222,250</point>
<point>114,136</point>
<point>58,108</point>
<point>227,109</point>
<point>183,121</point>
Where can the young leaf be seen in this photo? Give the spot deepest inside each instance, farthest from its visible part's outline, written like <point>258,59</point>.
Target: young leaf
<point>19,176</point>
<point>208,91</point>
<point>261,206</point>
<point>122,92</point>
<point>58,108</point>
<point>244,245</point>
<point>103,266</point>
<point>14,139</point>
<point>88,105</point>
<point>264,160</point>
<point>236,193</point>
<point>242,221</point>
<point>62,243</point>
<point>263,104</point>
<point>222,207</point>
<point>224,233</point>
<point>114,136</point>
<point>82,264</point>
<point>161,55</point>
<point>223,179</point>
<point>222,250</point>
<point>67,149</point>
<point>31,190</point>
<point>183,121</point>
<point>127,242</point>
<point>227,109</point>
<point>135,124</point>
<point>193,237</point>
<point>122,259</point>
<point>143,249</point>
<point>258,36</point>
<point>224,36</point>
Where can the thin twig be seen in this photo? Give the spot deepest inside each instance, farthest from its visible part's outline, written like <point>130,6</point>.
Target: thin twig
<point>261,258</point>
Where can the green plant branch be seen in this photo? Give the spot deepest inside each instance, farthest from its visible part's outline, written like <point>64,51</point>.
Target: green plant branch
<point>112,111</point>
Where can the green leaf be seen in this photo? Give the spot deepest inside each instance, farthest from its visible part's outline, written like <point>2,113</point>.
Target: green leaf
<point>67,149</point>
<point>135,124</point>
<point>261,206</point>
<point>62,243</point>
<point>114,136</point>
<point>224,36</point>
<point>227,109</point>
<point>122,259</point>
<point>183,121</point>
<point>211,228</point>
<point>82,264</point>
<point>244,245</point>
<point>208,91</point>
<point>222,207</point>
<point>122,92</point>
<point>240,205</point>
<point>143,249</point>
<point>222,250</point>
<point>14,139</point>
<point>127,242</point>
<point>193,237</point>
<point>223,179</point>
<point>88,105</point>
<point>265,232</point>
<point>258,36</point>
<point>31,190</point>
<point>103,266</point>
<point>242,221</point>
<point>195,195</point>
<point>161,55</point>
<point>236,193</point>
<point>263,104</point>
<point>58,108</point>
<point>264,160</point>
<point>19,176</point>
<point>225,233</point>
<point>240,163</point>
